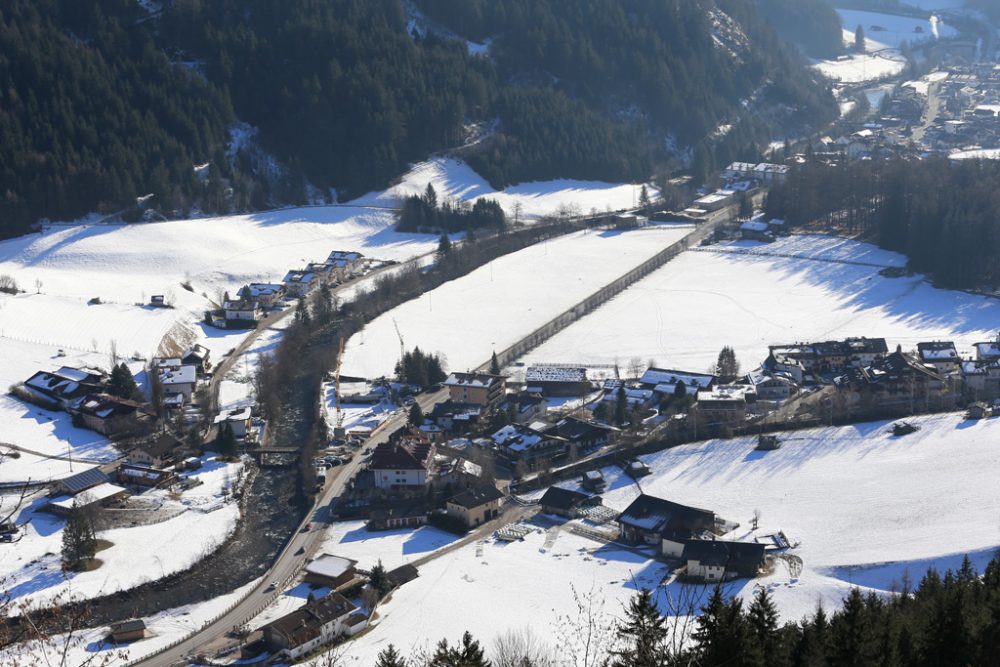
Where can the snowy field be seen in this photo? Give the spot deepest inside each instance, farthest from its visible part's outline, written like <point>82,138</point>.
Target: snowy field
<point>977,154</point>
<point>915,502</point>
<point>351,539</point>
<point>684,313</point>
<point>495,305</point>
<point>890,31</point>
<point>31,568</point>
<point>859,68</point>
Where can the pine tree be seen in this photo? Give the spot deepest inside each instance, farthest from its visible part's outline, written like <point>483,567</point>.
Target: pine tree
<point>416,416</point>
<point>122,383</point>
<point>494,365</point>
<point>225,440</point>
<point>727,366</point>
<point>642,633</point>
<point>469,654</point>
<point>390,657</point>
<point>644,196</point>
<point>79,543</point>
<point>379,579</point>
<point>621,406</point>
<point>444,246</point>
<point>763,620</point>
<point>680,390</point>
<point>859,39</point>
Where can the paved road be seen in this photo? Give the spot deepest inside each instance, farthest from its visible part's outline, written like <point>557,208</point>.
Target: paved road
<point>303,545</point>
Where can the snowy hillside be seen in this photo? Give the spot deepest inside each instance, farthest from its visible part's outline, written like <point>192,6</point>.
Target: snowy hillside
<point>495,305</point>
<point>684,313</point>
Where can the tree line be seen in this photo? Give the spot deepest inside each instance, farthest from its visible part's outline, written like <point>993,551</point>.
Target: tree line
<point>946,620</point>
<point>940,213</point>
<point>425,213</point>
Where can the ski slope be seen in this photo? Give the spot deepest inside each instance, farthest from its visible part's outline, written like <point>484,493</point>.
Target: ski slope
<point>495,305</point>
<point>685,312</point>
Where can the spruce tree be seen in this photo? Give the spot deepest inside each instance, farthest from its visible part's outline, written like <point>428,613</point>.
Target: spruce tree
<point>225,440</point>
<point>494,365</point>
<point>390,657</point>
<point>621,406</point>
<point>122,383</point>
<point>416,416</point>
<point>79,543</point>
<point>469,654</point>
<point>379,580</point>
<point>642,633</point>
<point>859,38</point>
<point>763,620</point>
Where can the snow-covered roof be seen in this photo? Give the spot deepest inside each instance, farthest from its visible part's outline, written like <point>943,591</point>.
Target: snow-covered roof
<point>330,566</point>
<point>988,350</point>
<point>235,415</point>
<point>92,495</point>
<point>754,226</point>
<point>344,256</point>
<point>181,375</point>
<point>555,374</point>
<point>726,393</point>
<point>516,438</point>
<point>471,380</point>
<point>661,376</point>
<point>299,277</point>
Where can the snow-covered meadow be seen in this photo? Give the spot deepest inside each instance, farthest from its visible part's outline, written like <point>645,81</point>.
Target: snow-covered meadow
<point>865,508</point>
<point>497,304</point>
<point>740,294</point>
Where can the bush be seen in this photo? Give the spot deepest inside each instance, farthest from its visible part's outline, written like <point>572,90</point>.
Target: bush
<point>7,284</point>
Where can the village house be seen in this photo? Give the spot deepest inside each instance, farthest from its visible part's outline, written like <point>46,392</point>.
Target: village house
<point>585,435</point>
<point>756,230</point>
<point>266,294</point>
<point>403,462</point>
<point>238,419</point>
<point>158,453</point>
<point>780,364</point>
<point>241,312</point>
<point>832,356</point>
<point>300,283</point>
<point>981,379</point>
<point>648,517</point>
<point>529,407</point>
<point>80,482</point>
<point>566,502</point>
<point>451,416</point>
<point>898,384</point>
<point>345,264</point>
<point>719,560</point>
<point>330,571</point>
<point>639,396</point>
<point>738,170</point>
<point>139,475</point>
<point>724,405</point>
<point>989,351</point>
<point>90,488</point>
<point>198,356</point>
<point>768,386</point>
<point>522,444</point>
<point>315,624</point>
<point>110,415</point>
<point>664,381</point>
<point>413,515</point>
<point>941,355</point>
<point>477,388</point>
<point>65,387</point>
<point>476,505</point>
<point>179,381</point>
<point>557,381</point>
<point>129,630</point>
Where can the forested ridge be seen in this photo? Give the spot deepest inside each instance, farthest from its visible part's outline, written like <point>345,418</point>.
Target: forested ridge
<point>103,102</point>
<point>940,213</point>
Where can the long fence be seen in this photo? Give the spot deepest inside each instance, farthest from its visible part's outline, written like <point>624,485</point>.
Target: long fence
<point>601,296</point>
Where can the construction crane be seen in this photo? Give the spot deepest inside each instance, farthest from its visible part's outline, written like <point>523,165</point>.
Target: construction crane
<point>402,347</point>
<point>338,430</point>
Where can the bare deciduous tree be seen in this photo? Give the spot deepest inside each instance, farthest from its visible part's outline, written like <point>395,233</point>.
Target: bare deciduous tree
<point>520,647</point>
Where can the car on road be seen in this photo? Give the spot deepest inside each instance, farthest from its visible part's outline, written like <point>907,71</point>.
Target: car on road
<point>272,586</point>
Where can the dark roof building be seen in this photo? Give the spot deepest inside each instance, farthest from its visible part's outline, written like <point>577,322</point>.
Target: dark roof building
<point>717,560</point>
<point>82,481</point>
<point>477,496</point>
<point>312,625</point>
<point>648,517</point>
<point>565,502</point>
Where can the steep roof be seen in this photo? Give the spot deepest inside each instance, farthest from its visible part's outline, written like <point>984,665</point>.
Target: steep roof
<point>404,454</point>
<point>477,496</point>
<point>472,380</point>
<point>650,513</point>
<point>161,446</point>
<point>306,623</point>
<point>739,557</point>
<point>562,499</point>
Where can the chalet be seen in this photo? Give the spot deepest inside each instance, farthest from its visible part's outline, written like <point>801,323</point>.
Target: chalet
<point>565,502</point>
<point>475,506</point>
<point>109,415</point>
<point>980,377</point>
<point>402,462</point>
<point>719,560</point>
<point>664,382</point>
<point>557,381</point>
<point>529,407</point>
<point>300,283</point>
<point>156,453</point>
<point>780,364</point>
<point>323,270</point>
<point>266,294</point>
<point>330,571</point>
<point>390,518</point>
<point>137,475</point>
<point>725,405</point>
<point>832,356</point>
<point>315,624</point>
<point>242,312</point>
<point>179,381</point>
<point>756,230</point>
<point>941,355</point>
<point>238,419</point>
<point>130,630</point>
<point>452,416</point>
<point>345,264</point>
<point>584,434</point>
<point>64,388</point>
<point>897,383</point>
<point>197,356</point>
<point>523,444</point>
<point>633,395</point>
<point>645,520</point>
<point>477,388</point>
<point>771,386</point>
<point>989,351</point>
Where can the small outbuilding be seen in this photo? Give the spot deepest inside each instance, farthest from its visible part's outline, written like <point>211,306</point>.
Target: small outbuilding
<point>129,630</point>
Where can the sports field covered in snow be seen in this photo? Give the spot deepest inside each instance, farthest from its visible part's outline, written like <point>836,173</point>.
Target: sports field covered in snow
<point>865,507</point>
<point>495,305</point>
<point>741,294</point>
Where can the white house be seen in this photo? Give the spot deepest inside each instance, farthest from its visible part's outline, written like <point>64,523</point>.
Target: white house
<point>315,624</point>
<point>300,283</point>
<point>265,294</point>
<point>179,381</point>
<point>238,419</point>
<point>345,264</point>
<point>242,311</point>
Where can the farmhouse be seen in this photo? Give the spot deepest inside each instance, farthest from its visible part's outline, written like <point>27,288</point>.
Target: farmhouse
<point>64,387</point>
<point>197,356</point>
<point>239,420</point>
<point>718,560</point>
<point>95,496</point>
<point>646,519</point>
<point>179,381</point>
<point>266,294</point>
<point>330,571</point>
<point>756,230</point>
<point>109,415</point>
<point>242,312</point>
<point>475,506</point>
<point>565,502</point>
<point>523,444</point>
<point>127,631</point>
<point>402,462</point>
<point>313,625</point>
<point>664,382</point>
<point>156,453</point>
<point>144,476</point>
<point>80,482</point>
<point>300,283</point>
<point>345,264</point>
<point>557,381</point>
<point>941,355</point>
<point>529,407</point>
<point>725,405</point>
<point>477,388</point>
